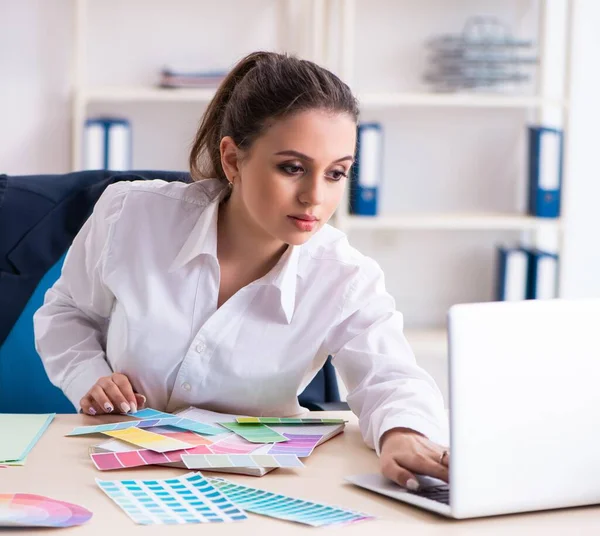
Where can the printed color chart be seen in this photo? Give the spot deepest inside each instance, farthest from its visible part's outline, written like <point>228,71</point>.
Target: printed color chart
<point>220,461</point>
<point>149,440</point>
<point>287,508</point>
<point>301,445</point>
<point>234,444</point>
<point>176,422</point>
<point>175,501</point>
<point>255,433</point>
<point>286,420</point>
<point>107,461</point>
<point>27,510</point>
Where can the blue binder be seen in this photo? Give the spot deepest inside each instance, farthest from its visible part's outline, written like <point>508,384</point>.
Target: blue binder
<point>512,274</point>
<point>366,172</point>
<point>545,171</point>
<point>107,144</point>
<point>543,275</point>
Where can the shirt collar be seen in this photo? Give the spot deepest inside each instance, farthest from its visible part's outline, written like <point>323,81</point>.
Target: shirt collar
<point>202,240</point>
<point>283,276</point>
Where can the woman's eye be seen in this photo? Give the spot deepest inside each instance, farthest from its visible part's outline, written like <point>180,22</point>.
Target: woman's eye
<point>292,169</point>
<point>337,174</point>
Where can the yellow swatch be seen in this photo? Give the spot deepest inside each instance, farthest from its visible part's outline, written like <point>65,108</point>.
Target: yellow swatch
<point>148,440</point>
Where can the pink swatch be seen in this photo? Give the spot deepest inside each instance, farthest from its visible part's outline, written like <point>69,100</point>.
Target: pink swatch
<point>301,445</point>
<point>107,461</point>
<point>234,444</point>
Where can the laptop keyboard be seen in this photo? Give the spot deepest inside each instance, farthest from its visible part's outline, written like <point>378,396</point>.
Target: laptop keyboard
<point>439,493</point>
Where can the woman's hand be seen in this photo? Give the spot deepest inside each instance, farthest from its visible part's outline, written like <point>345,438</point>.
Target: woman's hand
<point>112,393</point>
<point>405,453</point>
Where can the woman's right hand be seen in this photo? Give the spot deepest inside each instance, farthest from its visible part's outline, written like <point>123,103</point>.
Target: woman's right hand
<point>112,393</point>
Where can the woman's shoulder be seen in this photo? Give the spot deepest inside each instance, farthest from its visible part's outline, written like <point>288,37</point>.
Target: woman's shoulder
<point>330,248</point>
<point>199,193</point>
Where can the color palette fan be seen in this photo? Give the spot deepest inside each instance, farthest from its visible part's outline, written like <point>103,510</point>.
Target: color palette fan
<point>27,510</point>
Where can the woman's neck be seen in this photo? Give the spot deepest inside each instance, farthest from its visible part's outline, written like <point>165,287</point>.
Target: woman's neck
<point>241,242</point>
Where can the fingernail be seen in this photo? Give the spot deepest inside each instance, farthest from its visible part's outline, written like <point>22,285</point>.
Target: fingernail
<point>125,407</point>
<point>92,411</point>
<point>143,399</point>
<point>133,407</point>
<point>412,484</point>
<point>108,408</point>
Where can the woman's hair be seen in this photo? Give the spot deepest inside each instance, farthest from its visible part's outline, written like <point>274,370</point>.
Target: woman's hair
<point>263,86</point>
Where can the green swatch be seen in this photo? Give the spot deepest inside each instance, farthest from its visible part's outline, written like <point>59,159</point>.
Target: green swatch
<point>255,433</point>
<point>286,420</point>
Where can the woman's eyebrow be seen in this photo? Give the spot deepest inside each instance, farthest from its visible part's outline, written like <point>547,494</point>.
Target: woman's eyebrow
<point>302,156</point>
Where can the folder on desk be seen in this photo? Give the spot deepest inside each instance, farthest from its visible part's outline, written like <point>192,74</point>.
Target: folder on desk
<point>367,170</point>
<point>512,274</point>
<point>543,275</point>
<point>545,171</point>
<point>107,144</point>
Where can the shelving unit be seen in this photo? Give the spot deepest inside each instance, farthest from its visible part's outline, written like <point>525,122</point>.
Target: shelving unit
<point>449,222</point>
<point>388,100</point>
<point>145,94</point>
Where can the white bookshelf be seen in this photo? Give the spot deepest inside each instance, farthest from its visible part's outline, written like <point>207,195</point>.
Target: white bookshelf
<point>449,222</point>
<point>371,100</point>
<point>144,94</point>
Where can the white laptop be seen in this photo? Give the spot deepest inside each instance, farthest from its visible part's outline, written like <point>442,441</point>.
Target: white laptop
<point>524,388</point>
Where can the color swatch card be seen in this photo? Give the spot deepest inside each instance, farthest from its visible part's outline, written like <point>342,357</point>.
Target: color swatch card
<point>255,433</point>
<point>287,508</point>
<point>149,440</point>
<point>176,422</point>
<point>183,435</point>
<point>234,444</point>
<point>20,432</point>
<point>301,445</point>
<point>188,499</point>
<point>222,461</point>
<point>109,461</point>
<point>286,420</point>
<point>149,413</point>
<point>27,510</point>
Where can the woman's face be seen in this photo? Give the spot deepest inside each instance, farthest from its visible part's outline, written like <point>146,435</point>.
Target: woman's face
<point>292,178</point>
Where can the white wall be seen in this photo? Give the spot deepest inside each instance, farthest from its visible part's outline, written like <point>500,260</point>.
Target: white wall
<point>35,45</point>
<point>581,257</point>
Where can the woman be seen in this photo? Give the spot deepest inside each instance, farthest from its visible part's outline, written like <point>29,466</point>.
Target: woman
<point>230,292</point>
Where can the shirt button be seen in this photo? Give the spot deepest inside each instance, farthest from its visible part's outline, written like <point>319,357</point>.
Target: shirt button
<point>200,347</point>
<point>186,386</point>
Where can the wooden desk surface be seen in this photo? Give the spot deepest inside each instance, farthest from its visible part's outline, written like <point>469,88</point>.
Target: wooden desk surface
<point>61,468</point>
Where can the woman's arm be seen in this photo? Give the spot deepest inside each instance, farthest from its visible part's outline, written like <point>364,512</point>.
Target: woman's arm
<point>71,324</point>
<point>386,387</point>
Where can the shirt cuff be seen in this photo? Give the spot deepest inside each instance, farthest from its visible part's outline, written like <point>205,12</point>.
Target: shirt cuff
<point>83,378</point>
<point>430,430</point>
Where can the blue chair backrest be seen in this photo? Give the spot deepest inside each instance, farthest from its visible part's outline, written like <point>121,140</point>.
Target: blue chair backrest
<point>24,385</point>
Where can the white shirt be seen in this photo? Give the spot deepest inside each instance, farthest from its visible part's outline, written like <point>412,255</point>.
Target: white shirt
<point>138,295</point>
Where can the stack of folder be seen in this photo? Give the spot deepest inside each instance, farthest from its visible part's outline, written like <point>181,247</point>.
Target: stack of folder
<point>526,274</point>
<point>107,144</point>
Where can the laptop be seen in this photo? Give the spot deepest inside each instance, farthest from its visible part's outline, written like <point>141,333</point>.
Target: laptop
<point>524,390</point>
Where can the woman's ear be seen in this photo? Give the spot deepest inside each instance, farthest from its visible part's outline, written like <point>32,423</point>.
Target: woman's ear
<point>230,158</point>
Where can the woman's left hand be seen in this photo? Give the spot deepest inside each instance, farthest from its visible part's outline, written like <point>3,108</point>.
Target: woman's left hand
<point>405,453</point>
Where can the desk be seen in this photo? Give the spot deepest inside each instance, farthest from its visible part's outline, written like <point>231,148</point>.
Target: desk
<point>60,467</point>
